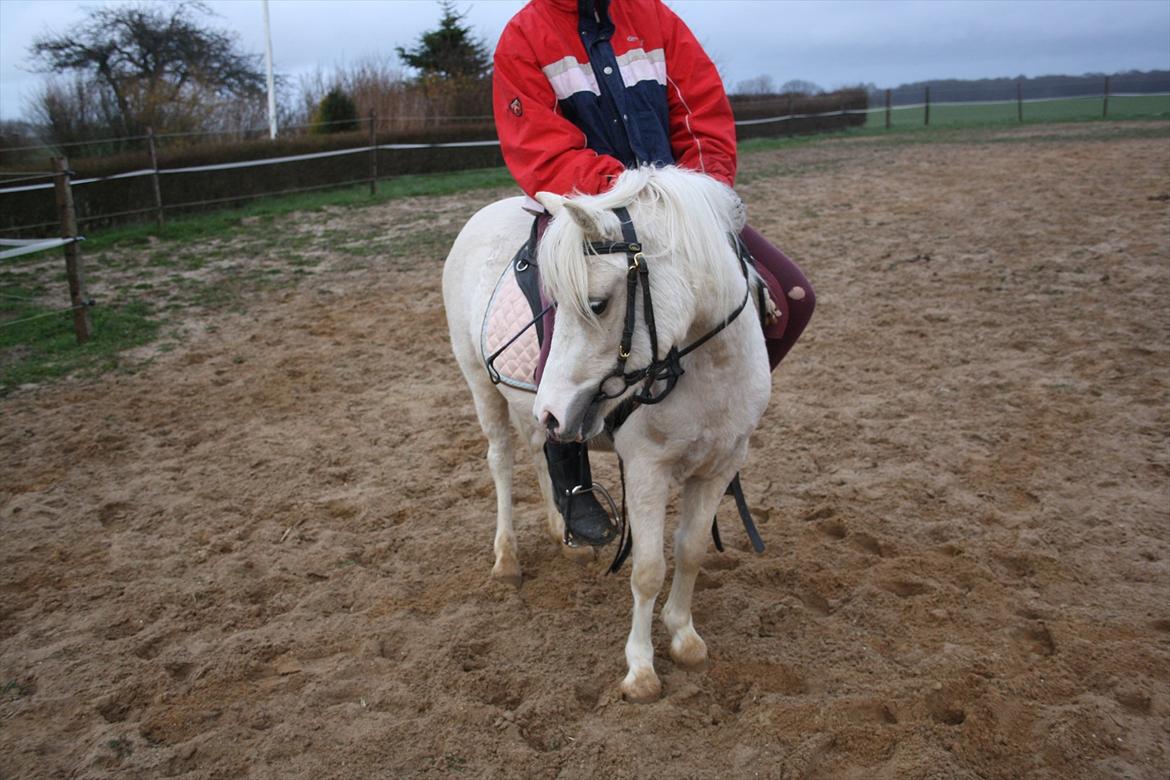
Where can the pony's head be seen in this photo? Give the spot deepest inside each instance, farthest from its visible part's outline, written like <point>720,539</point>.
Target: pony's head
<point>683,220</point>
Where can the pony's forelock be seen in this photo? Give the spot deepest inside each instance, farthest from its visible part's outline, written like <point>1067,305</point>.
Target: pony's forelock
<point>680,216</point>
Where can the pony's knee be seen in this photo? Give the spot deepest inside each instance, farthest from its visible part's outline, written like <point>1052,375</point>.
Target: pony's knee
<point>648,575</point>
<point>499,454</point>
<point>689,548</point>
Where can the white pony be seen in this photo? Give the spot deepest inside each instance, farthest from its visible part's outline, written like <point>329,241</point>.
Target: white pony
<point>696,438</point>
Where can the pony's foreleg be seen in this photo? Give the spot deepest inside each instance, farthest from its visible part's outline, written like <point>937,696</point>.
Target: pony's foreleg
<point>700,499</point>
<point>555,523</point>
<point>492,410</point>
<point>647,512</point>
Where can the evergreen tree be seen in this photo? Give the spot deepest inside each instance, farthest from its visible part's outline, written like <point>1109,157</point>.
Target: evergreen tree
<point>337,113</point>
<point>450,52</point>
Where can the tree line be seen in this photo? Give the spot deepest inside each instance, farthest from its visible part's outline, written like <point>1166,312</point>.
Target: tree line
<point>127,68</point>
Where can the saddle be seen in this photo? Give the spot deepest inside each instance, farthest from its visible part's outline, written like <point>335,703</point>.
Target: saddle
<point>511,346</point>
<point>513,332</point>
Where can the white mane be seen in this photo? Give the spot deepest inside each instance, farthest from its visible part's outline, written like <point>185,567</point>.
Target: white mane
<point>683,220</point>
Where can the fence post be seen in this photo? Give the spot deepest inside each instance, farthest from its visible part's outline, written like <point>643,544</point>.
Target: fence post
<point>791,119</point>
<point>887,109</point>
<point>158,204</point>
<point>926,115</point>
<point>74,268</point>
<point>1020,101</point>
<point>1105,102</point>
<point>373,153</point>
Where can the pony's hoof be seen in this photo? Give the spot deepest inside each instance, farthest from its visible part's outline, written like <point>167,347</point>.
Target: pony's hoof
<point>689,653</point>
<point>642,687</point>
<point>507,572</point>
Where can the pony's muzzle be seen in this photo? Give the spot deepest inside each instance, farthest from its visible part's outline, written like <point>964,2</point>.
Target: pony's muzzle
<point>563,423</point>
<point>550,422</point>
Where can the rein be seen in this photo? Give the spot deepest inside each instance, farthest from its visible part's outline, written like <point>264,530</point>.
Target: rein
<point>669,368</point>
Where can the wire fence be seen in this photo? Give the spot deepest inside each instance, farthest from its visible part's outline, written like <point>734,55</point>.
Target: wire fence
<point>159,189</point>
<point>237,181</point>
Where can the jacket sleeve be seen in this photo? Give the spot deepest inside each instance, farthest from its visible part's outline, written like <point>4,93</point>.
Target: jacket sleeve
<point>702,127</point>
<point>542,149</point>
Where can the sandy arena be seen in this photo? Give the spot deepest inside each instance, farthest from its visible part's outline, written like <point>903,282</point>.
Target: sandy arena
<point>266,553</point>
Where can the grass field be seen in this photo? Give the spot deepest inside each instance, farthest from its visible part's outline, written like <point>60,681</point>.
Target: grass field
<point>1068,110</point>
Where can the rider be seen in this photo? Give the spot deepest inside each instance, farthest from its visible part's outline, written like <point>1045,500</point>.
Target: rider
<point>583,90</point>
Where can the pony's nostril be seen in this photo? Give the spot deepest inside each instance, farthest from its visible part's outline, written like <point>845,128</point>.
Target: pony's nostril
<point>550,422</point>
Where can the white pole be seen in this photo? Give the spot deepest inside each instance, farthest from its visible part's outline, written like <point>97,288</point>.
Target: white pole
<point>268,62</point>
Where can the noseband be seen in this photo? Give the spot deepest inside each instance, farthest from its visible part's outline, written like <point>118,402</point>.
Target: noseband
<point>669,368</point>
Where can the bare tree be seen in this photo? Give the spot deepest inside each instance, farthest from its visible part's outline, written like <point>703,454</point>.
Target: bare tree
<point>155,62</point>
<point>801,87</point>
<point>760,85</point>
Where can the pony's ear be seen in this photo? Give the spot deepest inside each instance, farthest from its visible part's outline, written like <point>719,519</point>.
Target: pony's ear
<point>552,202</point>
<point>585,218</point>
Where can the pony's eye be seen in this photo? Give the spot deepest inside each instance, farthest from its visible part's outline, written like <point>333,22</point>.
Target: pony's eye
<point>599,306</point>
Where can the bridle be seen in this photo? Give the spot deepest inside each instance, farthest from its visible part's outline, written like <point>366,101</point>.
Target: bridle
<point>669,368</point>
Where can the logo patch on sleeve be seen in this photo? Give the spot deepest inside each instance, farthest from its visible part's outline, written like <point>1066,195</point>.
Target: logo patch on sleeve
<point>517,109</point>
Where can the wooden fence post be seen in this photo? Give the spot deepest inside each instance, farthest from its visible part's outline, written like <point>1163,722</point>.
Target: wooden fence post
<point>74,268</point>
<point>926,115</point>
<point>791,119</point>
<point>887,109</point>
<point>1105,102</point>
<point>158,204</point>
<point>1020,101</point>
<point>373,153</point>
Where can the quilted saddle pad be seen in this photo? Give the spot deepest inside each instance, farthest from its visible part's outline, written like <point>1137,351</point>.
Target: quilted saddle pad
<point>507,313</point>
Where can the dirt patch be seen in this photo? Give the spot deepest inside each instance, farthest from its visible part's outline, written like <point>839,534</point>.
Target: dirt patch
<point>267,553</point>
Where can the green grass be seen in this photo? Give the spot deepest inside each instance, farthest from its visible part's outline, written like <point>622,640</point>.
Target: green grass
<point>958,133</point>
<point>194,227</point>
<point>995,114</point>
<point>44,347</point>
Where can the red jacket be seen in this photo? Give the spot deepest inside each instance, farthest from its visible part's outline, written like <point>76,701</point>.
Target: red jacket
<point>580,93</point>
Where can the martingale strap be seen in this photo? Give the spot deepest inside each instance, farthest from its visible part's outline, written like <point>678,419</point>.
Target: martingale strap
<point>668,369</point>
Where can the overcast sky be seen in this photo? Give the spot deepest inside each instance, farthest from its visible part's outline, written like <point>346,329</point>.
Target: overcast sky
<point>830,42</point>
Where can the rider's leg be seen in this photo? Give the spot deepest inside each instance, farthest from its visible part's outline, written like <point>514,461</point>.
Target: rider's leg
<point>586,520</point>
<point>800,296</point>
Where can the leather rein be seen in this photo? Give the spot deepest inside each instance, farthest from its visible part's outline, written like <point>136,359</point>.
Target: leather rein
<point>669,368</point>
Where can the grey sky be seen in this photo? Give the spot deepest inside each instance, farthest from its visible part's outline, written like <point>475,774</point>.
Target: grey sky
<point>832,43</point>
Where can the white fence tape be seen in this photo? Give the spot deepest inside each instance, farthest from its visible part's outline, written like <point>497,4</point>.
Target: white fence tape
<point>937,103</point>
<point>493,142</point>
<point>26,246</point>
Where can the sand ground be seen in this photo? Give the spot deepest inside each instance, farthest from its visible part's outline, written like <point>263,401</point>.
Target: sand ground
<point>266,553</point>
